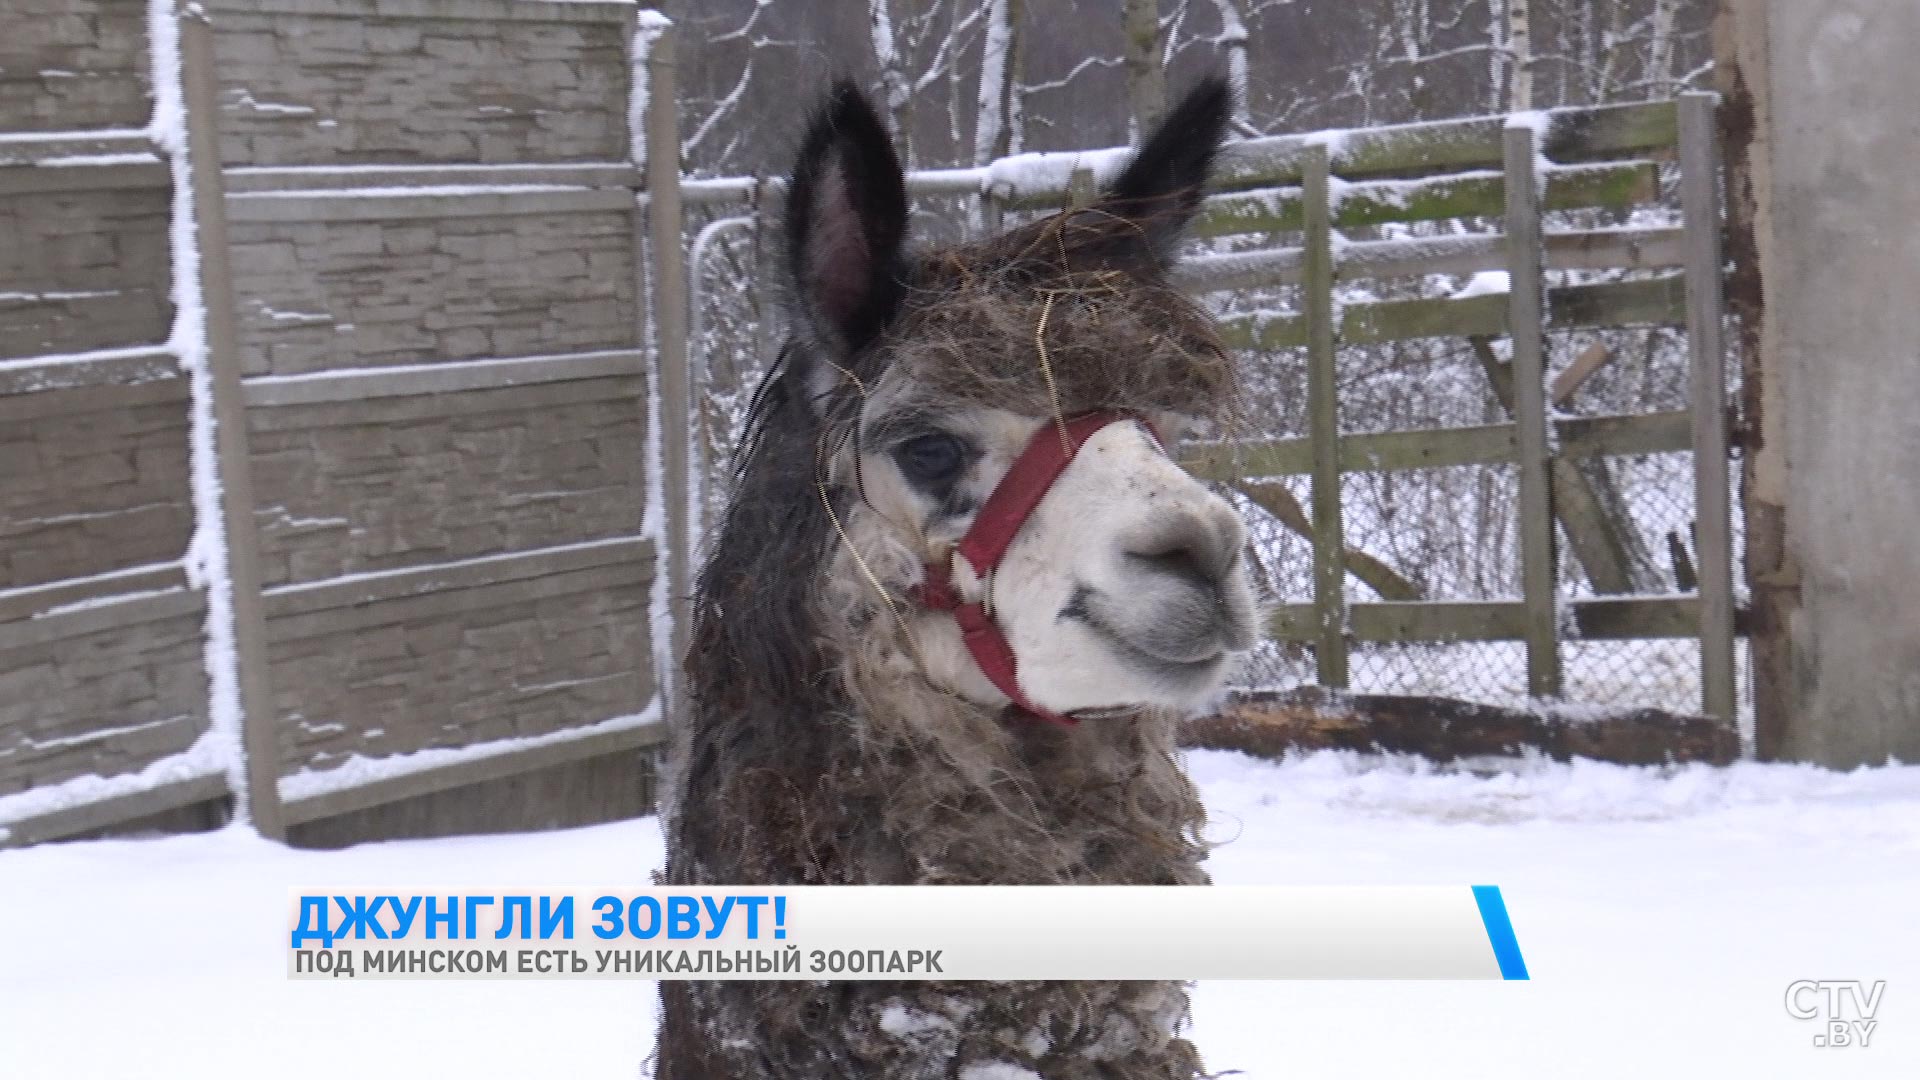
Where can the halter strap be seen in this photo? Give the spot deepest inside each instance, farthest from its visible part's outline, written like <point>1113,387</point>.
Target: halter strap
<point>1013,500</point>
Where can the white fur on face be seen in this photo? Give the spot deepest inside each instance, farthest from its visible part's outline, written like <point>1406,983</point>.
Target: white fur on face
<point>1125,588</point>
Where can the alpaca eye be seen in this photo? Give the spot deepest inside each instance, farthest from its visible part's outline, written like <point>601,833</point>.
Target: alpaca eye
<point>931,459</point>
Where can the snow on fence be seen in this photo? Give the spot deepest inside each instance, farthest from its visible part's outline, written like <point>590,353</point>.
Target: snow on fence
<point>337,451</point>
<point>1602,551</point>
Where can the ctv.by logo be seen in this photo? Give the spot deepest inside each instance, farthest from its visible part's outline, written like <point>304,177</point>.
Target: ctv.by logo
<point>1808,999</point>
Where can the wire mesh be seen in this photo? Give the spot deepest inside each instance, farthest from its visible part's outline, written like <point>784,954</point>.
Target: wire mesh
<point>1490,671</point>
<point>1437,534</point>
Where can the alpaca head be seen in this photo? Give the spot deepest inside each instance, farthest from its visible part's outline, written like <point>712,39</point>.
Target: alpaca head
<point>932,373</point>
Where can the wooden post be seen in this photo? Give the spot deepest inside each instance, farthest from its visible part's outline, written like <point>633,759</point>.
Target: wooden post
<point>258,718</point>
<point>1323,425</point>
<point>1713,532</point>
<point>988,213</point>
<point>1526,322</point>
<point>1080,189</point>
<point>668,273</point>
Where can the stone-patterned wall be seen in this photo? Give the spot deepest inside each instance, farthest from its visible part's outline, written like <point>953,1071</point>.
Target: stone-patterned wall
<point>339,82</point>
<point>324,296</point>
<point>509,497</point>
<point>102,655</point>
<point>106,702</point>
<point>384,491</point>
<point>373,288</point>
<point>83,270</point>
<point>467,676</point>
<point>86,493</point>
<point>72,64</point>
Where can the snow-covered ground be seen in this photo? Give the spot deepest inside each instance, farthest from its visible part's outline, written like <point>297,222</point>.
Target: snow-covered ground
<point>1663,915</point>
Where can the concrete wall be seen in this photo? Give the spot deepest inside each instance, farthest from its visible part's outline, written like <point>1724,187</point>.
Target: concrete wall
<point>327,295</point>
<point>83,270</point>
<point>105,702</point>
<point>92,490</point>
<point>102,654</point>
<point>442,391</point>
<point>102,665</point>
<point>1823,143</point>
<point>605,788</point>
<point>337,82</point>
<point>414,483</point>
<point>504,667</point>
<point>66,65</point>
<point>344,279</point>
<point>382,489</point>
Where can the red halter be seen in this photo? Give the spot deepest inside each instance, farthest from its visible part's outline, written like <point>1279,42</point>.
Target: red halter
<point>1033,474</point>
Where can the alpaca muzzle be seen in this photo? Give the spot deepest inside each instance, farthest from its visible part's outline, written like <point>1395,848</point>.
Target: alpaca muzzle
<point>987,541</point>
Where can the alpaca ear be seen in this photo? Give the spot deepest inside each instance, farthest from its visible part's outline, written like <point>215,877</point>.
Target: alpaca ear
<point>1160,189</point>
<point>846,223</point>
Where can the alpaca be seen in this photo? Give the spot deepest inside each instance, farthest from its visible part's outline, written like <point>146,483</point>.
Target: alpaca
<point>843,729</point>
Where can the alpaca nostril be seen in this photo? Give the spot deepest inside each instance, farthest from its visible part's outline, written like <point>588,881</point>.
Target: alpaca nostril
<point>1177,562</point>
<point>1188,548</point>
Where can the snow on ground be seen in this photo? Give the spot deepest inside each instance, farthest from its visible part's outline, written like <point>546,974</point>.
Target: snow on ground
<point>1663,914</point>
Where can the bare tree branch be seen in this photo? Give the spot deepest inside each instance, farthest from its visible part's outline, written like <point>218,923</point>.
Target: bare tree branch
<point>721,110</point>
<point>893,80</point>
<point>1083,65</point>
